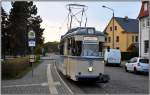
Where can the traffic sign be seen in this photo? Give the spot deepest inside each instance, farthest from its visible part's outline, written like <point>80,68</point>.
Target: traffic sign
<point>31,43</point>
<point>31,35</point>
<point>32,58</point>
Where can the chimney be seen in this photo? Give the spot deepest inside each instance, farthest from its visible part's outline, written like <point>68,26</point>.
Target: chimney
<point>126,17</point>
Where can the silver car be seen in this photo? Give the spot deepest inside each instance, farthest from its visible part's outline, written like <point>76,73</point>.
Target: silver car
<point>137,64</point>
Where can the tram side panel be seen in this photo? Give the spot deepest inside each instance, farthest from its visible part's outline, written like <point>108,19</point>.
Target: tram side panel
<point>63,60</point>
<point>71,68</point>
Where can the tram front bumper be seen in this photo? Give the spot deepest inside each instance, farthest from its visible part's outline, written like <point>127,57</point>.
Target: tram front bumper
<point>101,78</point>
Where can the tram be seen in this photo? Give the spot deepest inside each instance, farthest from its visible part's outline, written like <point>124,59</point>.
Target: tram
<point>81,55</point>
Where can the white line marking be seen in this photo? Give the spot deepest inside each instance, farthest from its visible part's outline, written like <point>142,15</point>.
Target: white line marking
<point>42,84</point>
<point>52,87</point>
<point>63,81</point>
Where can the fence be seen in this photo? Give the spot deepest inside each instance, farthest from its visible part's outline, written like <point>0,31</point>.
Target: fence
<point>128,55</point>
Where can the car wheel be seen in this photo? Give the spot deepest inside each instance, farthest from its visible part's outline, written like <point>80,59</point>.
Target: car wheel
<point>135,70</point>
<point>126,69</point>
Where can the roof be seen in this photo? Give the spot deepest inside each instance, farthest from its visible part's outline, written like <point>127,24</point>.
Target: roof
<point>142,12</point>
<point>133,46</point>
<point>82,31</point>
<point>129,25</point>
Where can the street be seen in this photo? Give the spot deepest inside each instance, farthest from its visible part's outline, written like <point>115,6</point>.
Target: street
<point>69,47</point>
<point>47,80</point>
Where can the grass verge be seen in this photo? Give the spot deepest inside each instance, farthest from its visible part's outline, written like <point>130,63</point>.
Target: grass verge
<point>18,67</point>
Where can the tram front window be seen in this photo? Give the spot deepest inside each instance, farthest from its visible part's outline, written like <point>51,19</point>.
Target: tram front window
<point>90,50</point>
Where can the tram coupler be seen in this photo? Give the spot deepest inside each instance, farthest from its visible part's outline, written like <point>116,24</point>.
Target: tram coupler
<point>103,78</point>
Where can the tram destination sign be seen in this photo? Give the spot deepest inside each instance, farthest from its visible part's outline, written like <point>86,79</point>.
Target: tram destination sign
<point>90,39</point>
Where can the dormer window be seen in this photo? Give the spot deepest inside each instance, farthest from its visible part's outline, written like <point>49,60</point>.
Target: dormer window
<point>145,6</point>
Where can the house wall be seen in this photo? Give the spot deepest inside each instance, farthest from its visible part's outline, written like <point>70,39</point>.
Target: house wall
<point>125,38</point>
<point>143,35</point>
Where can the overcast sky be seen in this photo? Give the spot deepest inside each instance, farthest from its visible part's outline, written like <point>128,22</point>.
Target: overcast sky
<point>54,15</point>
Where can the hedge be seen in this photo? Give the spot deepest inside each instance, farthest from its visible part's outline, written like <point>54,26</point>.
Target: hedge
<point>128,55</point>
<point>14,68</point>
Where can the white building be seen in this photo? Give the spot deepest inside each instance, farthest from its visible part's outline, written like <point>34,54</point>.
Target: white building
<point>144,29</point>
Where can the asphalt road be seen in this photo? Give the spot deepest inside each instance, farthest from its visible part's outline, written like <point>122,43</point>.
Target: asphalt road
<point>121,83</point>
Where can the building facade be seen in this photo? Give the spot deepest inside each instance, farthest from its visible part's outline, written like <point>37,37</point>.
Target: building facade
<point>125,34</point>
<point>144,27</point>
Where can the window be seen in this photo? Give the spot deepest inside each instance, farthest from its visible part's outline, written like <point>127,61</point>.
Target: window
<point>110,28</point>
<point>117,39</point>
<point>145,6</point>
<point>144,60</point>
<point>147,22</point>
<point>100,46</point>
<point>143,23</point>
<point>146,46</point>
<point>109,39</point>
<point>133,60</point>
<point>136,38</point>
<point>90,31</point>
<point>115,27</point>
<point>132,38</point>
<point>90,50</point>
<point>78,48</point>
<point>105,39</point>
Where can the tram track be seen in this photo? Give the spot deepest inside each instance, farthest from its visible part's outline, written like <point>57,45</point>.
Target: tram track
<point>118,83</point>
<point>82,88</point>
<point>121,83</point>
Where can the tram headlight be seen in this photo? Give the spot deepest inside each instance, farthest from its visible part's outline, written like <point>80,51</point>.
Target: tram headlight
<point>90,69</point>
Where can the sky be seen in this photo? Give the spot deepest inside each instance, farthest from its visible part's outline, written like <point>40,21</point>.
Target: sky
<point>54,15</point>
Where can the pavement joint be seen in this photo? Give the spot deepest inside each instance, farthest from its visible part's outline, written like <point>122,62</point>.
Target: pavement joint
<point>52,87</point>
<point>42,84</point>
<point>63,81</point>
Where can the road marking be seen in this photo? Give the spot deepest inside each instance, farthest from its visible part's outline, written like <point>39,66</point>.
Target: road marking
<point>63,81</point>
<point>52,87</point>
<point>42,84</point>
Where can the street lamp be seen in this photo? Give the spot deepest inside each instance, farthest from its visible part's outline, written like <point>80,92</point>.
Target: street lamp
<point>113,22</point>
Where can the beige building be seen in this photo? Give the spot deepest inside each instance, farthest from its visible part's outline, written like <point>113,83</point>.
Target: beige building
<point>125,34</point>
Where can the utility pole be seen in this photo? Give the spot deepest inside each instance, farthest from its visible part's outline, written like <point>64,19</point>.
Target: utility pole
<point>31,43</point>
<point>113,17</point>
<point>113,30</point>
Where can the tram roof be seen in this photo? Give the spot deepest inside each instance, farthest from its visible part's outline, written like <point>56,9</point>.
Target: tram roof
<point>79,31</point>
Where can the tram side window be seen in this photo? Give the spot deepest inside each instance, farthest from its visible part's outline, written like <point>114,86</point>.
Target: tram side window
<point>78,48</point>
<point>100,46</point>
<point>61,49</point>
<point>73,47</point>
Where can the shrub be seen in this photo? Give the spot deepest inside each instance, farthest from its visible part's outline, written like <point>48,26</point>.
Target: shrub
<point>128,55</point>
<point>13,67</point>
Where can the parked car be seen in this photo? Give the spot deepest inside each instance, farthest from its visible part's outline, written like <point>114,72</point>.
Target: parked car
<point>112,57</point>
<point>137,64</point>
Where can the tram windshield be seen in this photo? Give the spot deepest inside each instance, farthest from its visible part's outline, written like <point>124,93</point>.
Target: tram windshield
<point>90,49</point>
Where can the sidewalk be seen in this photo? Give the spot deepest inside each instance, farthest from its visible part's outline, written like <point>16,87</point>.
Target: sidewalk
<point>45,80</point>
<point>37,84</point>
